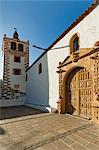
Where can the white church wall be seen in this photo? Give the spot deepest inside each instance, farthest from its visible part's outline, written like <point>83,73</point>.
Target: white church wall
<point>54,57</point>
<point>88,30</point>
<point>37,85</point>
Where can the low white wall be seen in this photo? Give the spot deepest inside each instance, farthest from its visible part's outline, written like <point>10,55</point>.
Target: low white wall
<point>11,102</point>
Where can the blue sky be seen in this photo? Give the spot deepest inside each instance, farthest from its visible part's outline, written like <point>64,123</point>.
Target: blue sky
<point>39,21</point>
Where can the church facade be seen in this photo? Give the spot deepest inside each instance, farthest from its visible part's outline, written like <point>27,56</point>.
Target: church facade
<point>67,78</point>
<point>64,78</point>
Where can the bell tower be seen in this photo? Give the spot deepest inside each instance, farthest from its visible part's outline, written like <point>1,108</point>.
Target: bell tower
<point>16,61</point>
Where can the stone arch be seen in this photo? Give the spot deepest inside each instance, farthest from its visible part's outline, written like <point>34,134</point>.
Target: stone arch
<point>73,103</point>
<point>89,60</point>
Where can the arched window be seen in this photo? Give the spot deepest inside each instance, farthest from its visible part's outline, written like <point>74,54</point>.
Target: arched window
<point>74,43</point>
<point>20,47</point>
<point>40,68</point>
<point>13,45</point>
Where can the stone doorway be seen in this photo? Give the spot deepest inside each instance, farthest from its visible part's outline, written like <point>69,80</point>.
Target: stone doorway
<point>78,93</point>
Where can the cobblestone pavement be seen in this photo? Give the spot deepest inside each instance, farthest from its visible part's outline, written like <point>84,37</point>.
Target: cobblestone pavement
<point>48,132</point>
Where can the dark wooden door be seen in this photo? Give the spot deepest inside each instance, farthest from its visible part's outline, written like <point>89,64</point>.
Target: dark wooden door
<point>79,93</point>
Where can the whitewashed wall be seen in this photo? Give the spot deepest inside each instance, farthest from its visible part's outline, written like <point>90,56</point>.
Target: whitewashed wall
<point>88,30</point>
<point>37,85</point>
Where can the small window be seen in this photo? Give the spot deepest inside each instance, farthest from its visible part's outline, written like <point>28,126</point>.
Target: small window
<point>13,45</point>
<point>20,47</point>
<point>17,71</point>
<point>40,68</point>
<point>16,59</point>
<point>16,86</point>
<point>74,43</point>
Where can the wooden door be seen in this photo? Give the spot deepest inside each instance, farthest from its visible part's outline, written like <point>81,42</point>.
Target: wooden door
<point>79,93</point>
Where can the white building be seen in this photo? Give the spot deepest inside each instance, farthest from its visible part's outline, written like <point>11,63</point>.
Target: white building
<point>67,72</point>
<point>16,61</point>
<point>42,78</point>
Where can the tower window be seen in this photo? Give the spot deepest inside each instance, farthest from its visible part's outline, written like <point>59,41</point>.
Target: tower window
<point>16,59</point>
<point>17,71</point>
<point>20,47</point>
<point>74,43</point>
<point>13,45</point>
<point>40,68</point>
<point>16,86</point>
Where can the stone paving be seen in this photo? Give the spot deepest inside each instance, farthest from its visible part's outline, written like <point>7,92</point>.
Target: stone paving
<point>48,132</point>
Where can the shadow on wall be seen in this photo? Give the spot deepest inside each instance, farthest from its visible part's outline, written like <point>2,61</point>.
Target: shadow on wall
<point>2,131</point>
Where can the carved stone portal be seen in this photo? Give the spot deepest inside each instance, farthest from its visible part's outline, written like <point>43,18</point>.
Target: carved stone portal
<point>79,85</point>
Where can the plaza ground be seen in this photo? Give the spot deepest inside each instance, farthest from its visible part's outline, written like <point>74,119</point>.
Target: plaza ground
<point>47,131</point>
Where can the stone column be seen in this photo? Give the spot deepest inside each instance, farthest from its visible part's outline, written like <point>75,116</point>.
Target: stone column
<point>60,100</point>
<point>95,109</point>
